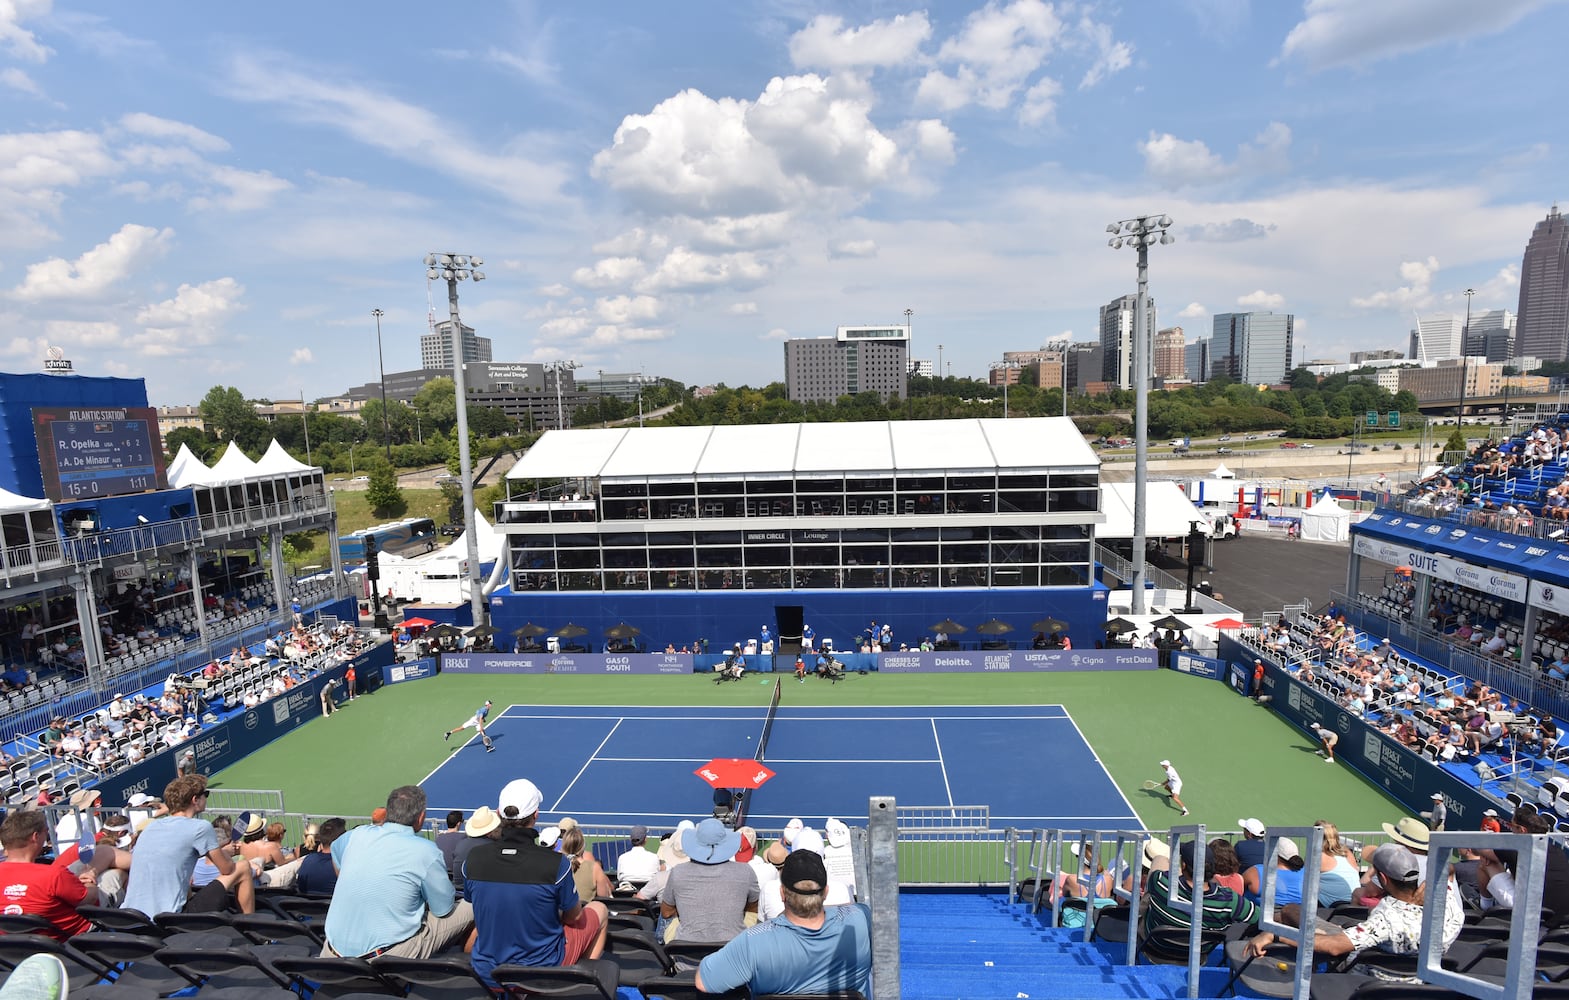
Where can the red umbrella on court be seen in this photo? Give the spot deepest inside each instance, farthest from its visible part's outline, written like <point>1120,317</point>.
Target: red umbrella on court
<point>1228,623</point>
<point>734,772</point>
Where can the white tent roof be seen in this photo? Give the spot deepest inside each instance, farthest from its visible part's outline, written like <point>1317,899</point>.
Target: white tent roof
<point>490,541</point>
<point>233,466</point>
<point>278,462</point>
<point>1327,504</point>
<point>789,449</point>
<point>188,470</point>
<point>15,503</point>
<point>1167,510</point>
<point>1221,472</point>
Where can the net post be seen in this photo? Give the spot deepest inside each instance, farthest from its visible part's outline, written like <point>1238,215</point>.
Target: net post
<point>882,828</point>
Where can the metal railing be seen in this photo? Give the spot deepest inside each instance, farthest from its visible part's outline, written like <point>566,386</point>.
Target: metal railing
<point>1505,676</point>
<point>96,547</point>
<point>31,559</point>
<point>262,514</point>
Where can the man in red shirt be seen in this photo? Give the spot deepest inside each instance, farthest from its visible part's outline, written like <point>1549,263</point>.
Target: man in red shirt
<point>48,891</point>
<point>348,683</point>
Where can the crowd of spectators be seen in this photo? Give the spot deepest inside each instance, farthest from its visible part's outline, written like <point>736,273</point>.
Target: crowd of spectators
<point>500,887</point>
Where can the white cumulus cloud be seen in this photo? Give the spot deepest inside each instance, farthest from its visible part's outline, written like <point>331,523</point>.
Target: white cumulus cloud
<point>838,249</point>
<point>18,80</point>
<point>301,356</point>
<point>153,127</point>
<point>97,270</point>
<point>743,309</point>
<point>1111,56</point>
<point>17,40</point>
<point>1000,47</point>
<point>1359,32</point>
<point>1178,162</point>
<point>193,318</point>
<point>1416,292</point>
<point>1193,310</point>
<point>826,43</point>
<point>1261,299</point>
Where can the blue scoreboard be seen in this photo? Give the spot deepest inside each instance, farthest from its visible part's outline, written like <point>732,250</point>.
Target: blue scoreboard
<point>86,453</point>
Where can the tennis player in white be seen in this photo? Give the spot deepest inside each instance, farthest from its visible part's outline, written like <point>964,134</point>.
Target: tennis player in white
<point>1174,785</point>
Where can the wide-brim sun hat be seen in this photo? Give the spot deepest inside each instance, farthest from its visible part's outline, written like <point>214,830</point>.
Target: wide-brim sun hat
<point>710,842</point>
<point>1410,832</point>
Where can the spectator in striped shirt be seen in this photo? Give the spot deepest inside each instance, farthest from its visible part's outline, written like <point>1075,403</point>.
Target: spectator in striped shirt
<point>1221,906</point>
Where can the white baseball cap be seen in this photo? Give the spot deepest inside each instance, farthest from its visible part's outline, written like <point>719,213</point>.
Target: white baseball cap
<point>1252,826</point>
<point>522,796</point>
<point>1165,763</point>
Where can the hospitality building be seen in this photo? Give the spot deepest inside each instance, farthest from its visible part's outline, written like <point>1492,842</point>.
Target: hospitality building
<point>691,532</point>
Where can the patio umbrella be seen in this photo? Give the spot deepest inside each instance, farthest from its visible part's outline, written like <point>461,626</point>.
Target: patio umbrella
<point>1228,623</point>
<point>442,631</point>
<point>734,772</point>
<point>1120,626</point>
<point>993,627</point>
<point>1172,621</point>
<point>530,631</point>
<point>570,631</point>
<point>483,631</point>
<point>948,626</point>
<point>1049,625</point>
<point>417,623</point>
<point>623,631</point>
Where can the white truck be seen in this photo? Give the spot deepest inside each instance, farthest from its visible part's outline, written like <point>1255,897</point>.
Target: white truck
<point>1221,524</point>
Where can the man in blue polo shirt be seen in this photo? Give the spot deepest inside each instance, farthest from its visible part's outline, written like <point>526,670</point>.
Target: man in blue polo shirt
<point>810,948</point>
<point>393,896</point>
<point>526,905</point>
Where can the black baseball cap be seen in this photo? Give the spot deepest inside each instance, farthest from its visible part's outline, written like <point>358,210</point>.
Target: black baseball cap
<point>804,873</point>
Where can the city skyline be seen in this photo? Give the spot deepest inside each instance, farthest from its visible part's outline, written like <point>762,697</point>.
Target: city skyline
<point>217,199</point>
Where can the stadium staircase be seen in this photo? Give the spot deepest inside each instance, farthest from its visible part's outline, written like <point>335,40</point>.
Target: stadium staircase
<point>978,946</point>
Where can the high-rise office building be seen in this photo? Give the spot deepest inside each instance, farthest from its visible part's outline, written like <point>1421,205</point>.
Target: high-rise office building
<point>856,359</point>
<point>1085,365</point>
<point>1542,324</point>
<point>1491,335</point>
<point>1438,336</point>
<point>435,349</point>
<point>1195,360</point>
<point>1116,338</point>
<point>1252,347</point>
<point>1169,359</point>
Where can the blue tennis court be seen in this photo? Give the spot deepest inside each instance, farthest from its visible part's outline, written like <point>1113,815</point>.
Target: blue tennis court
<point>1029,765</point>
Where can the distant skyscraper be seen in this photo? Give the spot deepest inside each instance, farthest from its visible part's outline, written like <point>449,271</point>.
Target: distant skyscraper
<point>1084,365</point>
<point>1252,347</point>
<point>1492,335</point>
<point>1116,338</point>
<point>435,349</point>
<point>1438,336</point>
<point>1542,327</point>
<point>856,359</point>
<point>1358,358</point>
<point>1169,361</point>
<point>1195,360</point>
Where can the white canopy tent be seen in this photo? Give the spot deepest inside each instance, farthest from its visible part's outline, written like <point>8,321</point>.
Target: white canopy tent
<point>15,503</point>
<point>187,470</point>
<point>1221,472</point>
<point>277,462</point>
<point>234,466</point>
<point>1168,513</point>
<point>1326,520</point>
<point>435,577</point>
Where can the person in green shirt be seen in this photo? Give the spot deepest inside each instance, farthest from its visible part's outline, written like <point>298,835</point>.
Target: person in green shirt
<point>1222,907</point>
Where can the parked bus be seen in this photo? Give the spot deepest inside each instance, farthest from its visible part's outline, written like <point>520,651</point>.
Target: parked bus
<point>416,534</point>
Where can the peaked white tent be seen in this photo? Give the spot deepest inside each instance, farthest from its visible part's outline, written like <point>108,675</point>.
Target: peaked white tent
<point>277,462</point>
<point>1326,520</point>
<point>1168,512</point>
<point>233,467</point>
<point>1221,472</point>
<point>188,470</point>
<point>15,503</point>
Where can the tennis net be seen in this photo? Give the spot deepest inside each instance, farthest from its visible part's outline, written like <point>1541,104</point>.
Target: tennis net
<point>768,721</point>
<point>744,805</point>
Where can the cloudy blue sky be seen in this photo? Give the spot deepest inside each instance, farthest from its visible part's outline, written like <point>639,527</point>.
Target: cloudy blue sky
<point>221,193</point>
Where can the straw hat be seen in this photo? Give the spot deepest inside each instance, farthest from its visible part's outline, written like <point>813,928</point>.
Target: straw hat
<point>1409,832</point>
<point>483,823</point>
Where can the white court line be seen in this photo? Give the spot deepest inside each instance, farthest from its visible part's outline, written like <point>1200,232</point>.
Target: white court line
<point>946,787</point>
<point>766,760</point>
<point>557,804</point>
<point>915,716</point>
<point>1120,794</point>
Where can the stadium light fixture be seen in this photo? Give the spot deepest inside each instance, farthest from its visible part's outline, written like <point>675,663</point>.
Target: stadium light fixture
<point>1140,233</point>
<point>453,268</point>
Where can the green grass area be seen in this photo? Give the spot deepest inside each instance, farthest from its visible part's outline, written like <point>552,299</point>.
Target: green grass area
<point>1237,759</point>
